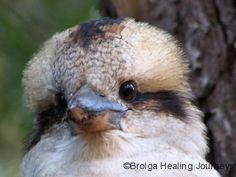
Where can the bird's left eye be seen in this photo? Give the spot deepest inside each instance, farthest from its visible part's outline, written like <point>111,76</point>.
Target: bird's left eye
<point>61,100</point>
<point>128,91</point>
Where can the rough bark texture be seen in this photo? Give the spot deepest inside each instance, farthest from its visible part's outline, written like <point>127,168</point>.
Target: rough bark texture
<point>207,30</point>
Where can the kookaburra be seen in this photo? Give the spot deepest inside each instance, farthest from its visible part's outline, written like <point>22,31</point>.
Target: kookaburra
<point>112,99</point>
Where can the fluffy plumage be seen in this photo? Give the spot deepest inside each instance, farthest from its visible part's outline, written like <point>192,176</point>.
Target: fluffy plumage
<point>109,92</point>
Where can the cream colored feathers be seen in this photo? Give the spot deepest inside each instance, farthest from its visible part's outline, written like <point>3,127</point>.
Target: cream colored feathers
<point>109,92</point>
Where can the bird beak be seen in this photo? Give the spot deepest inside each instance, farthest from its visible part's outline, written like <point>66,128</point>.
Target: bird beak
<point>92,112</point>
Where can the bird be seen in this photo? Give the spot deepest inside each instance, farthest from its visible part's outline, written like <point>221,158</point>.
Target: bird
<point>111,97</point>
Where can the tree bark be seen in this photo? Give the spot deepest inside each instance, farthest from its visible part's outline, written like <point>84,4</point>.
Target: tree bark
<point>207,31</point>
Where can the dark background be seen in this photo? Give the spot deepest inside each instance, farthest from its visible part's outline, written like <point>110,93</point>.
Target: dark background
<point>206,30</point>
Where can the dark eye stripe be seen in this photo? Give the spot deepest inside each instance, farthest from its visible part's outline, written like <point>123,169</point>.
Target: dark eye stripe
<point>46,119</point>
<point>163,101</point>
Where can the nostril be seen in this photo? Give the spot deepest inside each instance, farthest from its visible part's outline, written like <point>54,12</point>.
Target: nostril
<point>102,95</point>
<point>130,108</point>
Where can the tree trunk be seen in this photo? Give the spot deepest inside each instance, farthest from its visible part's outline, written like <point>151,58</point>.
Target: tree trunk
<point>207,30</point>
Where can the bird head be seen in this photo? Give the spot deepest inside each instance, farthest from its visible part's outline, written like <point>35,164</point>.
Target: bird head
<point>114,78</point>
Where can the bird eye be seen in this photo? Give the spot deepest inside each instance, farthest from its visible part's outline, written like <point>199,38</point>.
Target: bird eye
<point>61,100</point>
<point>128,91</point>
